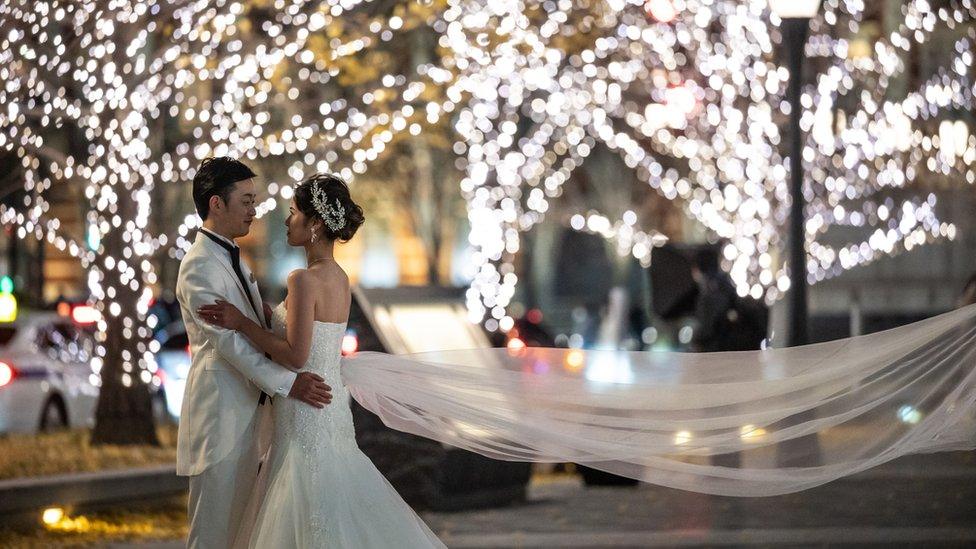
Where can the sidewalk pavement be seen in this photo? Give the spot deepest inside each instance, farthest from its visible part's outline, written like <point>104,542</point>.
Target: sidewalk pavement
<point>920,501</point>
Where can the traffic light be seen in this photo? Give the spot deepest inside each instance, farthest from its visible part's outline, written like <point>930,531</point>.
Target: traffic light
<point>8,303</point>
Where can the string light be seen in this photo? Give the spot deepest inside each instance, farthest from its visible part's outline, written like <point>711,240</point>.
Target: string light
<point>695,104</point>
<point>91,68</point>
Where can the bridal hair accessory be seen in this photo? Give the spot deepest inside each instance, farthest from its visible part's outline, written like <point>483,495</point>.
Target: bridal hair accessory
<point>333,215</point>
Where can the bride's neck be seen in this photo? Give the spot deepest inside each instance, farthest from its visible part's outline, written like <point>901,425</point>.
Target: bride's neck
<point>318,251</point>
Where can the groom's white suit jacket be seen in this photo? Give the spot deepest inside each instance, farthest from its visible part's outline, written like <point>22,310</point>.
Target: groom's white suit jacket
<point>227,374</point>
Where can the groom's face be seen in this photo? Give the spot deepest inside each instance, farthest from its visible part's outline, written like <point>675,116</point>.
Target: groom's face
<point>238,212</point>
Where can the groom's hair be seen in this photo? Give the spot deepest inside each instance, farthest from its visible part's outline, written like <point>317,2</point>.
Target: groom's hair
<point>217,176</point>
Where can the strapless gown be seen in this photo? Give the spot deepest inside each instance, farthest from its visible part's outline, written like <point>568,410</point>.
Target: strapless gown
<point>322,491</point>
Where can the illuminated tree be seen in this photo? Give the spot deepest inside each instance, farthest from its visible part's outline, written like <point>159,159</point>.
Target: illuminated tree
<point>307,90</point>
<point>114,97</point>
<point>691,95</point>
<point>81,100</point>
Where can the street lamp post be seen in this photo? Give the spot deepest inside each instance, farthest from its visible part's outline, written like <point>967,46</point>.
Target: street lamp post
<point>796,16</point>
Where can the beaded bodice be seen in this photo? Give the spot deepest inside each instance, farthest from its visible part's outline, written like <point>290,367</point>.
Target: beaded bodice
<point>316,430</point>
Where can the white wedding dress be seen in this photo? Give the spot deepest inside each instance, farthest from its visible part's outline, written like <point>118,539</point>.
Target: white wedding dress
<point>322,491</point>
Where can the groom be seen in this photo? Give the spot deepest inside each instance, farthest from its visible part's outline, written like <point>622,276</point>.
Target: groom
<point>230,383</point>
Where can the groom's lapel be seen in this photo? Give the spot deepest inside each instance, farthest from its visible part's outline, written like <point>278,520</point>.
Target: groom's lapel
<point>223,258</point>
<point>255,291</point>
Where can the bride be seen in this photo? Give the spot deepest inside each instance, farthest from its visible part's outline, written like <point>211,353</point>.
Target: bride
<point>321,489</point>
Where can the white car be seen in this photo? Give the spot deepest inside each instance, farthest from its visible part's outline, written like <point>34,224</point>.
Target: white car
<point>46,380</point>
<point>173,367</point>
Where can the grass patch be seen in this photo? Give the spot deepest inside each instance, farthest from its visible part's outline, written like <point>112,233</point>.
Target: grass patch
<point>72,452</point>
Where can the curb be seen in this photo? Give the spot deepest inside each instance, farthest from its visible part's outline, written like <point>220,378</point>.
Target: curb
<point>24,495</point>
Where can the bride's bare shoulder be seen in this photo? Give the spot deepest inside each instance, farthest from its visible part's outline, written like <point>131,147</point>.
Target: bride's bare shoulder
<point>318,277</point>
<point>300,280</point>
<point>297,275</point>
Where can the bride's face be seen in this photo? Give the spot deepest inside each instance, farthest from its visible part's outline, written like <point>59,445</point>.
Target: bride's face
<point>298,225</point>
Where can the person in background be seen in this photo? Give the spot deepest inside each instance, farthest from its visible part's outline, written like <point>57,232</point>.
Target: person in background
<point>726,321</point>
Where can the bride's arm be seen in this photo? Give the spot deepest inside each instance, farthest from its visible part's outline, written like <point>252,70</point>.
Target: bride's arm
<point>292,350</point>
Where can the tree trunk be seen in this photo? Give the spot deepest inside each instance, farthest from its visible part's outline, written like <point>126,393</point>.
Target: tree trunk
<point>35,274</point>
<point>425,222</point>
<point>124,414</point>
<point>428,213</point>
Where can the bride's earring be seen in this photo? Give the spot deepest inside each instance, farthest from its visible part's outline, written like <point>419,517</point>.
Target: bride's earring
<point>314,238</point>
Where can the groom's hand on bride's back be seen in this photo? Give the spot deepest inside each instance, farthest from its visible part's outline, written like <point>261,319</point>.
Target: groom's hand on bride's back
<point>311,389</point>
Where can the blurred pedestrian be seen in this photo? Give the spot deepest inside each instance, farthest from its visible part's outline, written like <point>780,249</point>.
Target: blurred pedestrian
<point>726,321</point>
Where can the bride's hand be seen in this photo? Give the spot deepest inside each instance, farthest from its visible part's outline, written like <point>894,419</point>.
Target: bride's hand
<point>222,314</point>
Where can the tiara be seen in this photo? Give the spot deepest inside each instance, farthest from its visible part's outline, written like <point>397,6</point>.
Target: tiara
<point>333,215</point>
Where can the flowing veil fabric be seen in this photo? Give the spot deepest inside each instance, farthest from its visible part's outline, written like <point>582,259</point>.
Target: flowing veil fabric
<point>659,416</point>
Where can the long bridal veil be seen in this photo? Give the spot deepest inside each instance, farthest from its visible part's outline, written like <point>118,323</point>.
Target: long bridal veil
<point>798,417</point>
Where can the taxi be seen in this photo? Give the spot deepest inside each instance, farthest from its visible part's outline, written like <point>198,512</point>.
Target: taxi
<point>46,379</point>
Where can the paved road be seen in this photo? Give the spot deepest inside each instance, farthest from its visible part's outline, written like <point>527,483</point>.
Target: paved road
<point>925,501</point>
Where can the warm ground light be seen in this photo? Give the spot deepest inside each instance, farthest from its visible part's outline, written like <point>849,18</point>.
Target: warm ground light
<point>161,521</point>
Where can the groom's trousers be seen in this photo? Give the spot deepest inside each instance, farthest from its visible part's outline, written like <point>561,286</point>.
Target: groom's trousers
<point>220,494</point>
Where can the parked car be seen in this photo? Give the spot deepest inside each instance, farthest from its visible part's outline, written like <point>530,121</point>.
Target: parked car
<point>173,366</point>
<point>46,379</point>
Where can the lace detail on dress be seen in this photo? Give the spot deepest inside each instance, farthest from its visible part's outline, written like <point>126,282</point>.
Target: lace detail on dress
<point>312,428</point>
<point>319,433</point>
